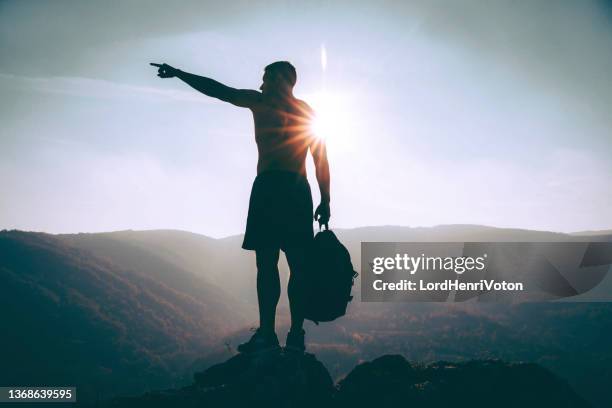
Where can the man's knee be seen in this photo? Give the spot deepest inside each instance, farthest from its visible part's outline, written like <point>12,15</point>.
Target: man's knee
<point>267,260</point>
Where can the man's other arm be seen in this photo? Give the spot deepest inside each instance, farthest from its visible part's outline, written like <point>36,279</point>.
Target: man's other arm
<point>319,155</point>
<point>318,149</point>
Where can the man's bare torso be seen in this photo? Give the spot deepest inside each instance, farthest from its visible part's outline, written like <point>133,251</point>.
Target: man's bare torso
<point>283,134</point>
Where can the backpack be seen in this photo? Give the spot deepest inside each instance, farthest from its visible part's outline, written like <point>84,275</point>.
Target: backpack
<point>329,279</point>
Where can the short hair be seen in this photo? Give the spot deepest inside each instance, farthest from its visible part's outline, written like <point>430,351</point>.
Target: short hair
<point>285,70</point>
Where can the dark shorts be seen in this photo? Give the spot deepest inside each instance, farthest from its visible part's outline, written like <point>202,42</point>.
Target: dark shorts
<point>280,212</point>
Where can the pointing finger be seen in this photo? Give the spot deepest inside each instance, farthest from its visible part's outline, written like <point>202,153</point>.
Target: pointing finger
<point>155,65</point>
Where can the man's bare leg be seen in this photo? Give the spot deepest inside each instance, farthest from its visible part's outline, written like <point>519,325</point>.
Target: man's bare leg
<point>268,287</point>
<point>296,258</point>
<point>268,293</point>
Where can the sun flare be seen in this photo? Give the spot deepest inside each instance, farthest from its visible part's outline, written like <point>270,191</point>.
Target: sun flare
<point>332,120</point>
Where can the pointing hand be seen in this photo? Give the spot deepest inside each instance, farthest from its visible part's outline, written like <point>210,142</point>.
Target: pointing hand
<point>165,70</point>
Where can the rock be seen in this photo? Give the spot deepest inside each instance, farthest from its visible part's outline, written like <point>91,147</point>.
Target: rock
<point>391,381</point>
<point>289,380</point>
<point>275,380</point>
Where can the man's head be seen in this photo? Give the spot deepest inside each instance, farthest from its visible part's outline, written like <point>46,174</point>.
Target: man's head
<point>279,77</point>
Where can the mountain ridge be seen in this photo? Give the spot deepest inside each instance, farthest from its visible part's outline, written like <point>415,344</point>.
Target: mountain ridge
<point>129,311</point>
<point>359,228</point>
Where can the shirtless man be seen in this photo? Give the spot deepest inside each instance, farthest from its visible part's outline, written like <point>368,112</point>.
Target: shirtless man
<point>280,206</point>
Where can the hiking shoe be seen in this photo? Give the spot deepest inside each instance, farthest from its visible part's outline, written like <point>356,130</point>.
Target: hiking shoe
<point>260,342</point>
<point>295,341</point>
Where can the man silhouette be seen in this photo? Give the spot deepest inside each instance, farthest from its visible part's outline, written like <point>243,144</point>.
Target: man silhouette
<point>280,206</point>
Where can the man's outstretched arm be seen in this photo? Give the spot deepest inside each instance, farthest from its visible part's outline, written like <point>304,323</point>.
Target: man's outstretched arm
<point>245,98</point>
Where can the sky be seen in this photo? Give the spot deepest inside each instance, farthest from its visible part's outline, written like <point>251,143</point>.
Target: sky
<point>443,112</point>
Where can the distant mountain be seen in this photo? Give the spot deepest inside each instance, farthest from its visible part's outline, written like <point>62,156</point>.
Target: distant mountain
<point>196,259</point>
<point>188,262</point>
<point>71,317</point>
<point>607,233</point>
<point>122,312</point>
<point>288,380</point>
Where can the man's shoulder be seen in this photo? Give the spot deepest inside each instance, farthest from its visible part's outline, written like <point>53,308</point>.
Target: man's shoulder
<point>303,106</point>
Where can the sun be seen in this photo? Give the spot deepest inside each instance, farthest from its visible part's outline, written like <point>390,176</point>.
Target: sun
<point>332,121</point>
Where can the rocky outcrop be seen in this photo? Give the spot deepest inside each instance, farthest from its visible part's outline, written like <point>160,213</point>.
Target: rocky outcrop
<point>289,380</point>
